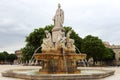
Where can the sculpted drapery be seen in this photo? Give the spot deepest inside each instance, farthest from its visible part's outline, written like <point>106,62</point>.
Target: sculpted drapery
<point>59,17</point>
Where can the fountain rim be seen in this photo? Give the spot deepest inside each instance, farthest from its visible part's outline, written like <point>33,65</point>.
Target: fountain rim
<point>11,73</point>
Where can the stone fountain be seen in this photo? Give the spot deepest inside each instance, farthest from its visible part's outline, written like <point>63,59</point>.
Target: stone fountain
<point>58,58</point>
<point>58,51</point>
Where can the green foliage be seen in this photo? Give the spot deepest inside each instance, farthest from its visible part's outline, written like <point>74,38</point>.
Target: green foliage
<point>109,55</point>
<point>2,58</point>
<point>93,47</point>
<point>67,29</point>
<point>3,55</point>
<point>49,28</point>
<point>27,52</point>
<point>6,57</point>
<point>34,38</point>
<point>11,57</point>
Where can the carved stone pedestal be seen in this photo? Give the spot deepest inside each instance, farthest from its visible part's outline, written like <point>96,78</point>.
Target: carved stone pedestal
<point>59,63</point>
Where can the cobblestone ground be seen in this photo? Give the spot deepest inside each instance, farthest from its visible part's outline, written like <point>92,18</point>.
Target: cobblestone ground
<point>3,68</point>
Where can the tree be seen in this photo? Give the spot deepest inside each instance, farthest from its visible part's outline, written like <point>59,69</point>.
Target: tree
<point>6,57</point>
<point>93,47</point>
<point>27,53</point>
<point>11,57</point>
<point>109,55</point>
<point>2,57</point>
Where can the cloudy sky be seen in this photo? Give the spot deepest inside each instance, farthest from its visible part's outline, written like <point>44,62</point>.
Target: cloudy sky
<point>20,17</point>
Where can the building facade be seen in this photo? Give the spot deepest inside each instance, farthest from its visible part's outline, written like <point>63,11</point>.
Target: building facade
<point>19,56</point>
<point>116,49</point>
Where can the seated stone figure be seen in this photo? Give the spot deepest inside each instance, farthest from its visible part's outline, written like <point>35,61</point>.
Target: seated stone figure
<point>47,42</point>
<point>70,43</point>
<point>62,40</point>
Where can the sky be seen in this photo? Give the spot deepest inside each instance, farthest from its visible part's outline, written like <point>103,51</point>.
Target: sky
<point>87,17</point>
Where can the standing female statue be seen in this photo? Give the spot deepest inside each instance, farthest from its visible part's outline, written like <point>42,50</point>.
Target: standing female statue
<point>59,17</point>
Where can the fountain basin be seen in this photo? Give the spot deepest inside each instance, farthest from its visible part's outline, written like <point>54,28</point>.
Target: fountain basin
<point>33,74</point>
<point>57,64</point>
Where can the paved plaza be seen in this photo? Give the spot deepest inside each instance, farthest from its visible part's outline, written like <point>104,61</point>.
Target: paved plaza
<point>3,68</point>
<point>8,67</point>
